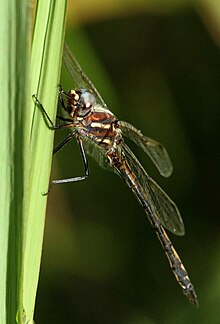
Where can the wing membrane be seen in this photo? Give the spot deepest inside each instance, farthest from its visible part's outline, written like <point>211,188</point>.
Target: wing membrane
<point>97,153</point>
<point>79,77</point>
<point>155,150</point>
<point>163,207</point>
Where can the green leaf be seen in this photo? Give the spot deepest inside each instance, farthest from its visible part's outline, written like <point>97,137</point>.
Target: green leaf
<point>46,60</point>
<point>14,34</point>
<point>25,146</point>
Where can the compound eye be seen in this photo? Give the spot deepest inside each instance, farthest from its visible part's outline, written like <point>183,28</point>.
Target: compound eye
<point>87,100</point>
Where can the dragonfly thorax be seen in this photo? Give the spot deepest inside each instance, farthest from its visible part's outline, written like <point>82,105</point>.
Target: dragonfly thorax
<point>80,102</point>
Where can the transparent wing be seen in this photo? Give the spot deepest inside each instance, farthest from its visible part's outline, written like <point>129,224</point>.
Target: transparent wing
<point>162,206</point>
<point>79,77</point>
<point>97,153</point>
<point>155,150</point>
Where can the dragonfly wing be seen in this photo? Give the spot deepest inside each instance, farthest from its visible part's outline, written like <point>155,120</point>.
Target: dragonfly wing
<point>97,153</point>
<point>79,77</point>
<point>163,207</point>
<point>155,150</point>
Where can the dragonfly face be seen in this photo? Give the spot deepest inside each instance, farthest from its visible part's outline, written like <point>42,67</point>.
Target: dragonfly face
<point>80,102</point>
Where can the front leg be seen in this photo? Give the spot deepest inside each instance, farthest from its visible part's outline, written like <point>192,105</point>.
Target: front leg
<point>53,126</point>
<point>62,93</point>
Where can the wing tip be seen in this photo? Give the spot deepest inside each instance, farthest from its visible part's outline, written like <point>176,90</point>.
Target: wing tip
<point>166,173</point>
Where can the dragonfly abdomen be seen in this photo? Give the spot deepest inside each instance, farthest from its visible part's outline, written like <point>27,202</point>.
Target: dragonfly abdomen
<point>120,163</point>
<point>175,262</point>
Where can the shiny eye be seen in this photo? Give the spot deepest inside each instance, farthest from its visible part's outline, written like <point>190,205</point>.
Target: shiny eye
<point>86,102</point>
<point>87,99</point>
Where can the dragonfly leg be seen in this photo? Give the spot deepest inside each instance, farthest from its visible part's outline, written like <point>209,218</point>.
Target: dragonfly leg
<point>60,96</point>
<point>64,142</point>
<point>61,92</point>
<point>64,118</point>
<point>52,124</point>
<point>85,162</point>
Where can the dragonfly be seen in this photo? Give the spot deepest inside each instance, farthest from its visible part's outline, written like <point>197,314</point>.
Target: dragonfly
<point>101,135</point>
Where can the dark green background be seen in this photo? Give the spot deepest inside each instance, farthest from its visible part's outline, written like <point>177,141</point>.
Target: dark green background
<point>102,262</point>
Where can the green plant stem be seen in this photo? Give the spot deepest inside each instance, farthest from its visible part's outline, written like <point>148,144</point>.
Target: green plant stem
<point>46,60</point>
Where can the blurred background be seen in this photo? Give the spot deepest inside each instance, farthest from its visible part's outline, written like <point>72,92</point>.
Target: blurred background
<point>157,66</point>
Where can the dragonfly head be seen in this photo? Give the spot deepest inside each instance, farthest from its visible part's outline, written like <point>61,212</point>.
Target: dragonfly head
<point>80,102</point>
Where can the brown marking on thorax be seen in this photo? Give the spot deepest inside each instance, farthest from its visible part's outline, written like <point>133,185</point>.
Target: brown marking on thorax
<point>101,127</point>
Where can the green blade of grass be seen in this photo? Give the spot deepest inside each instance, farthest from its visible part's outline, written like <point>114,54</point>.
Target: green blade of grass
<point>45,71</point>
<point>25,147</point>
<point>14,33</point>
